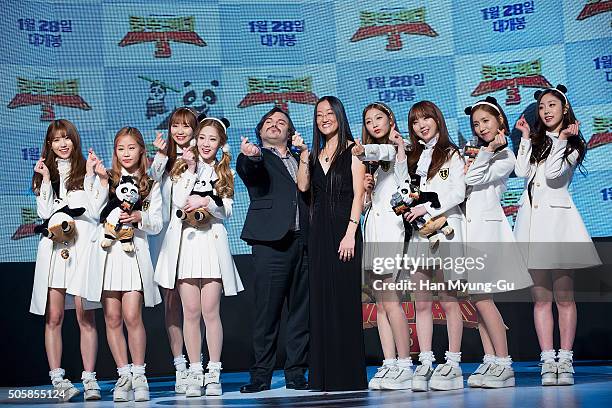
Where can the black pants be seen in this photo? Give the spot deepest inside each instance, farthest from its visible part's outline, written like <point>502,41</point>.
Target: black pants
<point>281,272</point>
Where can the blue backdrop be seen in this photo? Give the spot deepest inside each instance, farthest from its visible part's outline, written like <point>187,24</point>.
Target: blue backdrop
<point>108,64</point>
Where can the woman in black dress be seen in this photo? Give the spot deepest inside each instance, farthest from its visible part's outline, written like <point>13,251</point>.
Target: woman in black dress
<point>337,354</point>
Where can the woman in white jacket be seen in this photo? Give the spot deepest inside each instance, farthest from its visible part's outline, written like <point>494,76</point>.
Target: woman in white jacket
<point>384,237</point>
<point>550,226</point>
<point>488,234</point>
<point>61,267</point>
<point>438,163</point>
<point>181,125</point>
<point>198,257</point>
<point>122,280</point>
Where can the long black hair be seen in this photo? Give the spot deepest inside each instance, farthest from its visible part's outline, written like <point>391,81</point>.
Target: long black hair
<point>344,131</point>
<point>542,143</point>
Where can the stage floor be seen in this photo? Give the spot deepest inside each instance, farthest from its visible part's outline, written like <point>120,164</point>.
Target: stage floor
<point>593,388</point>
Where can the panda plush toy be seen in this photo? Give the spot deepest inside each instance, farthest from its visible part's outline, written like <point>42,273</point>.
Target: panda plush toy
<point>60,227</point>
<point>407,196</point>
<point>126,198</point>
<point>200,218</point>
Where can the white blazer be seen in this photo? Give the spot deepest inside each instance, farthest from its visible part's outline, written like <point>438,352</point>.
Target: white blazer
<point>157,172</point>
<point>488,232</point>
<point>384,231</point>
<point>449,183</point>
<point>551,217</point>
<point>151,224</point>
<point>85,224</point>
<point>165,270</point>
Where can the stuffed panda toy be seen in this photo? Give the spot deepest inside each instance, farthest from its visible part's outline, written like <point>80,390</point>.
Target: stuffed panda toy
<point>126,198</point>
<point>60,227</point>
<point>407,196</point>
<point>200,218</point>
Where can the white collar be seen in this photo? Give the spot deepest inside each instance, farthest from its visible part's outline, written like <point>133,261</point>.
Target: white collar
<point>124,172</point>
<point>552,134</point>
<point>431,143</point>
<point>63,165</point>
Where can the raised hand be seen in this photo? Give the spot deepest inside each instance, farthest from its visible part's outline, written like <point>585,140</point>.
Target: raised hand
<point>101,170</point>
<point>249,149</point>
<point>358,149</point>
<point>92,160</point>
<point>500,140</point>
<point>298,141</point>
<point>159,143</point>
<point>189,157</point>
<point>571,130</point>
<point>395,137</point>
<point>41,168</point>
<point>523,127</point>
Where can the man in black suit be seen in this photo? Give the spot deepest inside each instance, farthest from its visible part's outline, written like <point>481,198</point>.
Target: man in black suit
<point>276,227</point>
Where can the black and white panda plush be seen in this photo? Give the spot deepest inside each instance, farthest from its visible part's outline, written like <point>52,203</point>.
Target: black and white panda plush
<point>409,195</point>
<point>60,227</point>
<point>126,198</point>
<point>200,218</point>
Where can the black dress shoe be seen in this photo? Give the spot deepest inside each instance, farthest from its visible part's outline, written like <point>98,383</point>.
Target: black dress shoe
<point>254,386</point>
<point>299,383</point>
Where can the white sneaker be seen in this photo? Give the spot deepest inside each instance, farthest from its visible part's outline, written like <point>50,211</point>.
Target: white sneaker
<point>64,390</point>
<point>397,378</point>
<point>92,390</point>
<point>180,385</point>
<point>195,382</point>
<point>212,382</point>
<point>498,376</point>
<point>446,377</point>
<point>549,373</point>
<point>565,372</point>
<point>141,388</point>
<point>375,382</point>
<point>475,380</point>
<point>421,377</point>
<point>123,391</point>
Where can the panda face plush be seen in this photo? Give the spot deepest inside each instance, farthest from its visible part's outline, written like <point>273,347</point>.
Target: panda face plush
<point>202,186</point>
<point>62,228</point>
<point>127,193</point>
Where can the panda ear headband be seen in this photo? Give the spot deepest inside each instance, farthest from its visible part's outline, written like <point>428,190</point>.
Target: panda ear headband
<point>224,122</point>
<point>489,101</point>
<point>559,90</point>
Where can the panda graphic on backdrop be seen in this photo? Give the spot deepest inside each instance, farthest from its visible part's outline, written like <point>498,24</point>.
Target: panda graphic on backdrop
<point>126,198</point>
<point>190,100</point>
<point>156,104</point>
<point>60,227</point>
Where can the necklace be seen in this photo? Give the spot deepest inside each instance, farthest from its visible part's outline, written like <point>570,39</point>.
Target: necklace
<point>325,155</point>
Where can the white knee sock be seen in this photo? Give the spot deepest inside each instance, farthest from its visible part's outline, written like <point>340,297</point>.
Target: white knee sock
<point>453,358</point>
<point>547,356</point>
<point>180,363</point>
<point>138,369</point>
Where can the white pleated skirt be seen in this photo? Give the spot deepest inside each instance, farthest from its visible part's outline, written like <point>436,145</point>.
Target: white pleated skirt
<point>121,272</point>
<point>198,258</point>
<point>61,270</point>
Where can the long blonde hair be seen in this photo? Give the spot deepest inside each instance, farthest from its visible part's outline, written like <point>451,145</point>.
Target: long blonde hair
<point>225,182</point>
<point>143,180</point>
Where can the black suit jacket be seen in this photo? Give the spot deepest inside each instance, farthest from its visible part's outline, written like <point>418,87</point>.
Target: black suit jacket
<point>274,198</point>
